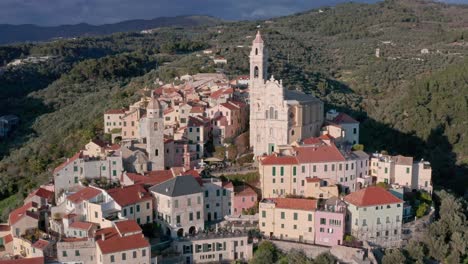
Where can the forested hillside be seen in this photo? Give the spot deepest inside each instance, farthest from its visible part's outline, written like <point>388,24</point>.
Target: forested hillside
<point>411,99</point>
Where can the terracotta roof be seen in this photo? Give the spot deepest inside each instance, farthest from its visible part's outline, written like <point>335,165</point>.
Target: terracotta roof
<point>371,196</point>
<point>115,112</point>
<point>402,160</point>
<point>37,260</point>
<point>311,141</point>
<point>344,118</point>
<point>314,179</point>
<point>320,153</point>
<point>115,243</point>
<point>8,238</point>
<point>81,225</point>
<point>68,161</point>
<point>195,122</point>
<point>74,239</point>
<point>230,106</point>
<point>295,203</point>
<point>197,109</point>
<point>127,195</point>
<point>326,137</point>
<point>152,177</point>
<point>22,211</point>
<point>127,226</point>
<point>279,160</point>
<point>113,147</point>
<point>168,110</point>
<point>43,193</point>
<point>84,194</point>
<point>67,216</point>
<point>244,190</point>
<point>41,244</point>
<point>216,94</point>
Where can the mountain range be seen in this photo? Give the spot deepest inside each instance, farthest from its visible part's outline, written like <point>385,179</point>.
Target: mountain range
<point>33,33</point>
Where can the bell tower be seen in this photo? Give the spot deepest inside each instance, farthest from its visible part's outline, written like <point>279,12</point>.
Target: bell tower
<point>155,134</point>
<point>258,63</point>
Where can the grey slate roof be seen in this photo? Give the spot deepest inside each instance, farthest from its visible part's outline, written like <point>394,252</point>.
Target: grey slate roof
<point>178,186</point>
<point>292,95</point>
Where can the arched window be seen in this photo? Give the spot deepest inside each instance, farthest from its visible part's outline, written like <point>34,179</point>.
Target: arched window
<point>155,126</point>
<point>272,113</point>
<point>256,51</point>
<point>256,72</point>
<point>156,152</point>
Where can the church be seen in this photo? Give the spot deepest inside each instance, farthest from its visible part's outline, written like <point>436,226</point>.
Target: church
<point>278,116</point>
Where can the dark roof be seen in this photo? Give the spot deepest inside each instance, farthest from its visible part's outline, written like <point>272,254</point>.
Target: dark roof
<point>299,96</point>
<point>178,186</point>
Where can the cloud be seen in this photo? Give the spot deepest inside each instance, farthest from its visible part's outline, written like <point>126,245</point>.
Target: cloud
<point>57,12</point>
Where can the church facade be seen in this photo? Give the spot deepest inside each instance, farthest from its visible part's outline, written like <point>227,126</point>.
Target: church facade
<point>278,116</point>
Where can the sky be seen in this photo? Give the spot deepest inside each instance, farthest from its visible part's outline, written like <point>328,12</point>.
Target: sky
<point>60,12</point>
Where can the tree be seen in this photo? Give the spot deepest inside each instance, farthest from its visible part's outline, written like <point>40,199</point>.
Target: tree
<point>299,257</point>
<point>393,256</point>
<point>266,253</point>
<point>421,211</point>
<point>415,250</point>
<point>325,258</point>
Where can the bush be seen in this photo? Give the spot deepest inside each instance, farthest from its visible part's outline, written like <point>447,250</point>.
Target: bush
<point>421,211</point>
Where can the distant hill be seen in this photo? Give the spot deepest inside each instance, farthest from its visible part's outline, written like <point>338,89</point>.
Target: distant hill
<point>33,33</point>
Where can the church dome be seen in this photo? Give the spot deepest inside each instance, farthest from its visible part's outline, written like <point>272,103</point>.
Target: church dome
<point>154,103</point>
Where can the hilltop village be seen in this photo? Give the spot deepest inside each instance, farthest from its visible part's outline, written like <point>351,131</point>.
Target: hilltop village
<point>156,188</point>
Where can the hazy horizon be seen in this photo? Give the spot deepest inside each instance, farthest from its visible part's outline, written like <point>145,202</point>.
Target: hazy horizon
<point>98,12</point>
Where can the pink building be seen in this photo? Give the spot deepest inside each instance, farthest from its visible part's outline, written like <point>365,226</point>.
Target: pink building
<point>244,198</point>
<point>330,222</point>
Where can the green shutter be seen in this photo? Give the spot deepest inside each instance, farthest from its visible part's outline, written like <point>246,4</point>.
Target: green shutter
<point>274,171</point>
<point>294,171</point>
<point>282,171</point>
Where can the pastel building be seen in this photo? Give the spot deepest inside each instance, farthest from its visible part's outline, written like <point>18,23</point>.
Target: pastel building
<point>133,202</point>
<point>113,120</point>
<point>330,222</point>
<point>402,171</point>
<point>180,205</point>
<point>245,197</point>
<point>342,127</point>
<point>287,172</point>
<point>218,199</point>
<point>375,215</point>
<point>288,219</point>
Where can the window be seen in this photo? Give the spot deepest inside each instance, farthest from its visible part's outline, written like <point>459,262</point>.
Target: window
<point>378,234</point>
<point>147,206</point>
<point>282,225</point>
<point>295,216</point>
<point>134,254</point>
<point>333,167</point>
<point>206,194</point>
<point>112,258</point>
<point>125,211</point>
<point>398,218</point>
<point>224,192</point>
<point>274,171</point>
<point>198,215</point>
<point>340,167</point>
<point>314,168</point>
<point>281,171</point>
<point>323,221</point>
<point>274,181</point>
<point>346,166</point>
<point>354,131</point>
<point>138,208</point>
<point>131,210</point>
<point>294,171</point>
<point>407,170</point>
<point>190,216</point>
<point>281,180</point>
<point>264,214</point>
<point>386,170</point>
<point>310,217</point>
<point>64,253</point>
<point>178,219</point>
<point>378,220</point>
<point>143,252</point>
<point>303,169</point>
<point>364,223</point>
<point>325,168</point>
<point>295,226</point>
<point>217,192</point>
<point>124,256</point>
<point>282,215</point>
<point>199,199</point>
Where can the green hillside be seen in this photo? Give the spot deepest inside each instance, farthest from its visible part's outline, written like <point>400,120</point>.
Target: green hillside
<point>408,102</point>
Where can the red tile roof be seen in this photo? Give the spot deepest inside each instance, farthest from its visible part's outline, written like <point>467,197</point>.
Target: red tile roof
<point>22,211</point>
<point>279,160</point>
<point>127,226</point>
<point>8,238</point>
<point>311,141</point>
<point>68,161</point>
<point>320,153</point>
<point>151,178</point>
<point>115,243</point>
<point>43,193</point>
<point>216,94</point>
<point>314,179</point>
<point>81,225</point>
<point>74,239</point>
<point>115,112</point>
<point>295,203</point>
<point>371,196</point>
<point>84,194</point>
<point>127,195</point>
<point>38,260</point>
<point>197,109</point>
<point>41,244</point>
<point>230,106</point>
<point>344,118</point>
